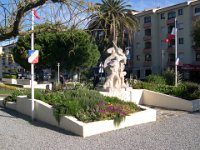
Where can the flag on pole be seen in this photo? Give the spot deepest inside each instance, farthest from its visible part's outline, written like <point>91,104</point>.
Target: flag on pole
<point>171,36</point>
<point>177,61</point>
<point>35,14</point>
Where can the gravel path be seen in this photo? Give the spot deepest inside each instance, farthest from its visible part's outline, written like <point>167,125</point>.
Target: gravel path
<point>174,130</point>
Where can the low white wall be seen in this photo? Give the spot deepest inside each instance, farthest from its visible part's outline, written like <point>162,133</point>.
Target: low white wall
<point>11,105</point>
<point>25,82</point>
<point>24,105</point>
<point>1,102</point>
<point>18,81</point>
<point>166,101</point>
<point>9,81</point>
<point>44,112</point>
<point>148,115</point>
<point>131,95</point>
<point>40,86</point>
<point>72,124</point>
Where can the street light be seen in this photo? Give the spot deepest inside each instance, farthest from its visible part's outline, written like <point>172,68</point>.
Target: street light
<point>101,70</point>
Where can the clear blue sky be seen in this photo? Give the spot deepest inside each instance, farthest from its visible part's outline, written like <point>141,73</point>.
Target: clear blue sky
<point>143,4</point>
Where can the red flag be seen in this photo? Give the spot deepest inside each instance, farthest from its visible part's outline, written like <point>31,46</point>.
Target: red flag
<point>167,40</point>
<point>171,36</point>
<point>35,14</point>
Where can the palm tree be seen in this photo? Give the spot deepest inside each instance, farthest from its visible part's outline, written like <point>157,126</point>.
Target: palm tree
<point>112,18</point>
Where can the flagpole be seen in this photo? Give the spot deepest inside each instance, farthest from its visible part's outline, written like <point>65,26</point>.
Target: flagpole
<point>176,46</point>
<point>32,67</point>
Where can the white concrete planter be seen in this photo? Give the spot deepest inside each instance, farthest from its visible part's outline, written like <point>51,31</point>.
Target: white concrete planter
<point>1,102</point>
<point>89,129</point>
<point>151,98</point>
<point>171,102</point>
<point>9,81</point>
<point>18,81</point>
<point>44,112</point>
<point>11,105</point>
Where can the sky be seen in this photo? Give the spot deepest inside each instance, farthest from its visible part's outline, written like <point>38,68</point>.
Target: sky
<point>140,5</point>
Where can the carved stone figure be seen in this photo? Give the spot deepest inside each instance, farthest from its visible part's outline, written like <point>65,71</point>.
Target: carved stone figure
<point>115,65</point>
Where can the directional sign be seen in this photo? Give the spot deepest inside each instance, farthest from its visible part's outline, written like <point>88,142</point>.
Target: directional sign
<point>33,56</point>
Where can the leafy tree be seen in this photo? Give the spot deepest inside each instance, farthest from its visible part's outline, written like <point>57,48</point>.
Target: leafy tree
<point>73,49</point>
<point>196,33</point>
<point>15,14</point>
<point>111,19</point>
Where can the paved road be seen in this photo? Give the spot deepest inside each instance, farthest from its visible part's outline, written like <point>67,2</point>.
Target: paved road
<point>174,130</point>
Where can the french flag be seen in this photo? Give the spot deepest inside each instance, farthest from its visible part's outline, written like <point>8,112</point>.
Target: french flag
<point>171,36</point>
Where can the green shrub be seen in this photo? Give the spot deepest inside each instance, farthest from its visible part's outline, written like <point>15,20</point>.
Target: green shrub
<point>9,76</point>
<point>185,90</point>
<point>156,79</point>
<point>86,105</point>
<point>169,76</point>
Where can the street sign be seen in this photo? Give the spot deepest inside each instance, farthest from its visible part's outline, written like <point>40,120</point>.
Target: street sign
<point>33,56</point>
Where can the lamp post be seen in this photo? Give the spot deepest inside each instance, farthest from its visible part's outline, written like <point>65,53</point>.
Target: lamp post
<point>101,70</point>
<point>58,72</point>
<point>176,47</point>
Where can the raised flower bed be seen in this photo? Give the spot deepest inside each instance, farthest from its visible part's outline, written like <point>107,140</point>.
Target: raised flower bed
<point>106,116</point>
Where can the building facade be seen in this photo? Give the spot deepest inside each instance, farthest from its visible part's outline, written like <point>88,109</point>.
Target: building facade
<point>7,63</point>
<point>150,52</point>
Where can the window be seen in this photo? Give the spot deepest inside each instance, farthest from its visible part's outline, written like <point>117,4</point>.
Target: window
<point>148,57</point>
<point>171,57</point>
<point>148,32</point>
<point>162,29</point>
<point>147,19</point>
<point>197,56</point>
<point>148,72</point>
<point>181,41</point>
<point>172,43</point>
<point>171,15</point>
<point>180,12</point>
<point>162,16</point>
<point>180,26</point>
<point>170,27</point>
<point>197,10</point>
<point>138,73</point>
<point>147,45</point>
<point>138,57</point>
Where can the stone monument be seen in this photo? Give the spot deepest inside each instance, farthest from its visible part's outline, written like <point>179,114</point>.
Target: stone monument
<point>115,65</point>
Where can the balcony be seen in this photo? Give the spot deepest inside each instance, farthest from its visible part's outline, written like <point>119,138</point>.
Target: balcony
<point>170,21</point>
<point>197,49</point>
<point>147,25</point>
<point>194,18</point>
<point>147,50</point>
<point>147,64</point>
<point>171,63</point>
<point>147,38</point>
<point>171,49</point>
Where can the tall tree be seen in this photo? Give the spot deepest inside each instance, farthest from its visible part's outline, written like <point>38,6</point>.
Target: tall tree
<point>196,33</point>
<point>73,49</point>
<point>111,18</point>
<point>15,14</point>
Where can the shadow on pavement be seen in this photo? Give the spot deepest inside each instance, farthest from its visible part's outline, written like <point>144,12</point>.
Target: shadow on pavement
<point>37,123</point>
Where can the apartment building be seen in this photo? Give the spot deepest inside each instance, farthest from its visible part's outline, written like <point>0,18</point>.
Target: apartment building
<point>7,63</point>
<point>150,52</point>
